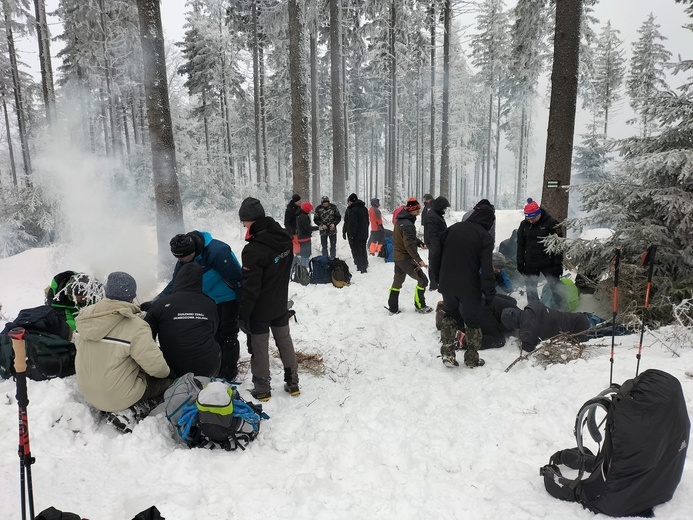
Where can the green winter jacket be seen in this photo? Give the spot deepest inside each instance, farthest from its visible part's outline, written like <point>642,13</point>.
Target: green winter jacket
<point>114,346</point>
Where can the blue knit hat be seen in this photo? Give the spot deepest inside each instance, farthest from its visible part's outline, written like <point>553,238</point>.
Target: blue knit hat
<point>121,286</point>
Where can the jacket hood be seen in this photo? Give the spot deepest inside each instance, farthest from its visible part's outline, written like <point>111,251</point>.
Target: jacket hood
<point>96,321</point>
<point>405,215</point>
<point>268,232</point>
<point>440,204</point>
<point>189,278</point>
<point>358,202</point>
<point>483,214</point>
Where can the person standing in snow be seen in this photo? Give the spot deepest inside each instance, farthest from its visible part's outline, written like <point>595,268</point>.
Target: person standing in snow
<point>435,227</point>
<point>267,260</point>
<point>290,214</point>
<point>467,283</point>
<point>427,200</point>
<point>304,230</point>
<point>119,366</point>
<point>407,259</point>
<point>377,235</point>
<point>356,229</point>
<point>533,259</point>
<point>327,217</point>
<point>185,322</point>
<point>221,281</point>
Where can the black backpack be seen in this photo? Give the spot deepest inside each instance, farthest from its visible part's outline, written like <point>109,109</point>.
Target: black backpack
<point>339,273</point>
<point>641,461</point>
<point>300,274</point>
<point>320,269</point>
<point>49,353</point>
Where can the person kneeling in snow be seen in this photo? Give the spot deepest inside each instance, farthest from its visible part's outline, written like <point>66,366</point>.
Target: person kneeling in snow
<point>119,366</point>
<point>538,322</point>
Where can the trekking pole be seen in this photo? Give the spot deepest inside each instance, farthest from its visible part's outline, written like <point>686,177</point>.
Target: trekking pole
<point>648,260</point>
<point>616,260</point>
<point>25,458</point>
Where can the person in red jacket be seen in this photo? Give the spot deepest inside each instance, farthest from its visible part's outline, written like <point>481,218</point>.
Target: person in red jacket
<point>377,238</point>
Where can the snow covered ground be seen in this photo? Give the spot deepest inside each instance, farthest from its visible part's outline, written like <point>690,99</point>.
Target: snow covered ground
<point>387,432</point>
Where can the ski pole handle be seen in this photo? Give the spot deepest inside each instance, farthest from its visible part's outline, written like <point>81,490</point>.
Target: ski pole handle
<point>17,336</point>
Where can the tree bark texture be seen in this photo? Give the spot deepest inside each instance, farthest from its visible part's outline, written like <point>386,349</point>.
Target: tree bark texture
<point>445,136</point>
<point>314,117</point>
<point>338,151</point>
<point>561,127</point>
<point>432,171</point>
<point>299,91</point>
<point>43,38</point>
<point>169,211</point>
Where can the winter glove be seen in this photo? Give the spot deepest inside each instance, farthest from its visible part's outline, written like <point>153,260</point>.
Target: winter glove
<point>145,306</point>
<point>244,326</point>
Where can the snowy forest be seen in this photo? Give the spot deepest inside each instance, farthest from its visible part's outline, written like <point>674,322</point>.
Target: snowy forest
<point>385,98</point>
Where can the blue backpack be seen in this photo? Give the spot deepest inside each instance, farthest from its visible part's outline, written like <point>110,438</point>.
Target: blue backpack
<point>320,269</point>
<point>387,250</point>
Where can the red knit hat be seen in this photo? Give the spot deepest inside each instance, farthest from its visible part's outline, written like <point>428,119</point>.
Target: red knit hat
<point>412,204</point>
<point>307,207</point>
<point>532,209</point>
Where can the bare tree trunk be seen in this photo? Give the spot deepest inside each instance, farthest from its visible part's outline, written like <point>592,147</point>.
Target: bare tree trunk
<point>18,100</point>
<point>169,211</point>
<point>299,115</point>
<point>43,38</point>
<point>521,160</point>
<point>13,166</point>
<point>104,123</point>
<point>345,94</point>
<point>561,128</point>
<point>445,139</point>
<point>124,114</point>
<point>263,112</point>
<point>314,117</point>
<point>108,73</point>
<point>338,151</point>
<point>392,173</point>
<point>133,116</point>
<point>489,134</point>
<point>256,94</point>
<point>432,175</point>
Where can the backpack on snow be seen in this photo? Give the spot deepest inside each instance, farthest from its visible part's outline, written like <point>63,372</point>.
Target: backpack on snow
<point>49,353</point>
<point>339,273</point>
<point>387,251</point>
<point>641,461</point>
<point>320,269</point>
<point>300,274</point>
<point>210,413</point>
<point>570,294</point>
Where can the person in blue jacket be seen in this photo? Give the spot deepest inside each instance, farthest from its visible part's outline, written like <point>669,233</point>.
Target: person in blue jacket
<point>222,280</point>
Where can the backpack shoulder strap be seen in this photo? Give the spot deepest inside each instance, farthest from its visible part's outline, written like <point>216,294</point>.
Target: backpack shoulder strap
<point>559,486</point>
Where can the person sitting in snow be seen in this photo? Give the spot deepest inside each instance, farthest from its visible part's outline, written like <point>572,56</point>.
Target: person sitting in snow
<point>221,281</point>
<point>71,291</point>
<point>120,369</point>
<point>185,322</point>
<point>537,322</point>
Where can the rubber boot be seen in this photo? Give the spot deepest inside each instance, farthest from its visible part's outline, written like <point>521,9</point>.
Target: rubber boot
<point>420,300</point>
<point>472,343</point>
<point>448,335</point>
<point>393,301</point>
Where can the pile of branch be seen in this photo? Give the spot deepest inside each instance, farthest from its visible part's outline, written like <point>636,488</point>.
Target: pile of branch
<point>559,350</point>
<point>311,363</point>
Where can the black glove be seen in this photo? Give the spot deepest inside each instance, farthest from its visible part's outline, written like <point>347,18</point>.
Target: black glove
<point>145,306</point>
<point>521,268</point>
<point>244,326</point>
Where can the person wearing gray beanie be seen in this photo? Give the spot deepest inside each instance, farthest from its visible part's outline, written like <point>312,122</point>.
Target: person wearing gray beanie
<point>251,210</point>
<point>121,286</point>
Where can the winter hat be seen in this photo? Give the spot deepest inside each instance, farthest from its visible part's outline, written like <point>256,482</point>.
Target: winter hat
<point>498,260</point>
<point>353,197</point>
<point>251,210</point>
<point>428,197</point>
<point>412,204</point>
<point>325,199</point>
<point>295,197</point>
<point>307,207</point>
<point>121,286</point>
<point>182,245</point>
<point>484,202</point>
<point>532,209</point>
<point>375,202</point>
<point>511,317</point>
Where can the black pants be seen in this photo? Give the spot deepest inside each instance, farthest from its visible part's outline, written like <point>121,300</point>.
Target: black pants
<point>359,254</point>
<point>333,244</point>
<point>227,337</point>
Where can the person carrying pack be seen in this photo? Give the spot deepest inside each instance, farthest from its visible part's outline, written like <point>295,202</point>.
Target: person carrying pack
<point>642,457</point>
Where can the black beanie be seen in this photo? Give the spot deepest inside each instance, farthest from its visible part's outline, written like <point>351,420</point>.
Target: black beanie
<point>182,245</point>
<point>251,210</point>
<point>295,197</point>
<point>353,197</point>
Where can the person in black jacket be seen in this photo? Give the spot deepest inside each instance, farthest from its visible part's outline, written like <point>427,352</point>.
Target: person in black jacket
<point>185,322</point>
<point>356,229</point>
<point>466,281</point>
<point>304,231</point>
<point>267,259</point>
<point>427,200</point>
<point>532,257</point>
<point>433,232</point>
<point>290,214</point>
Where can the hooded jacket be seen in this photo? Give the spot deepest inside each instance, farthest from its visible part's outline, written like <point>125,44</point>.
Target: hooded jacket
<point>404,241</point>
<point>532,258</point>
<point>290,215</point>
<point>435,227</point>
<point>539,322</point>
<point>114,346</point>
<point>376,218</point>
<point>303,227</point>
<point>465,268</point>
<point>221,278</point>
<point>356,221</point>
<point>267,259</point>
<point>185,322</point>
